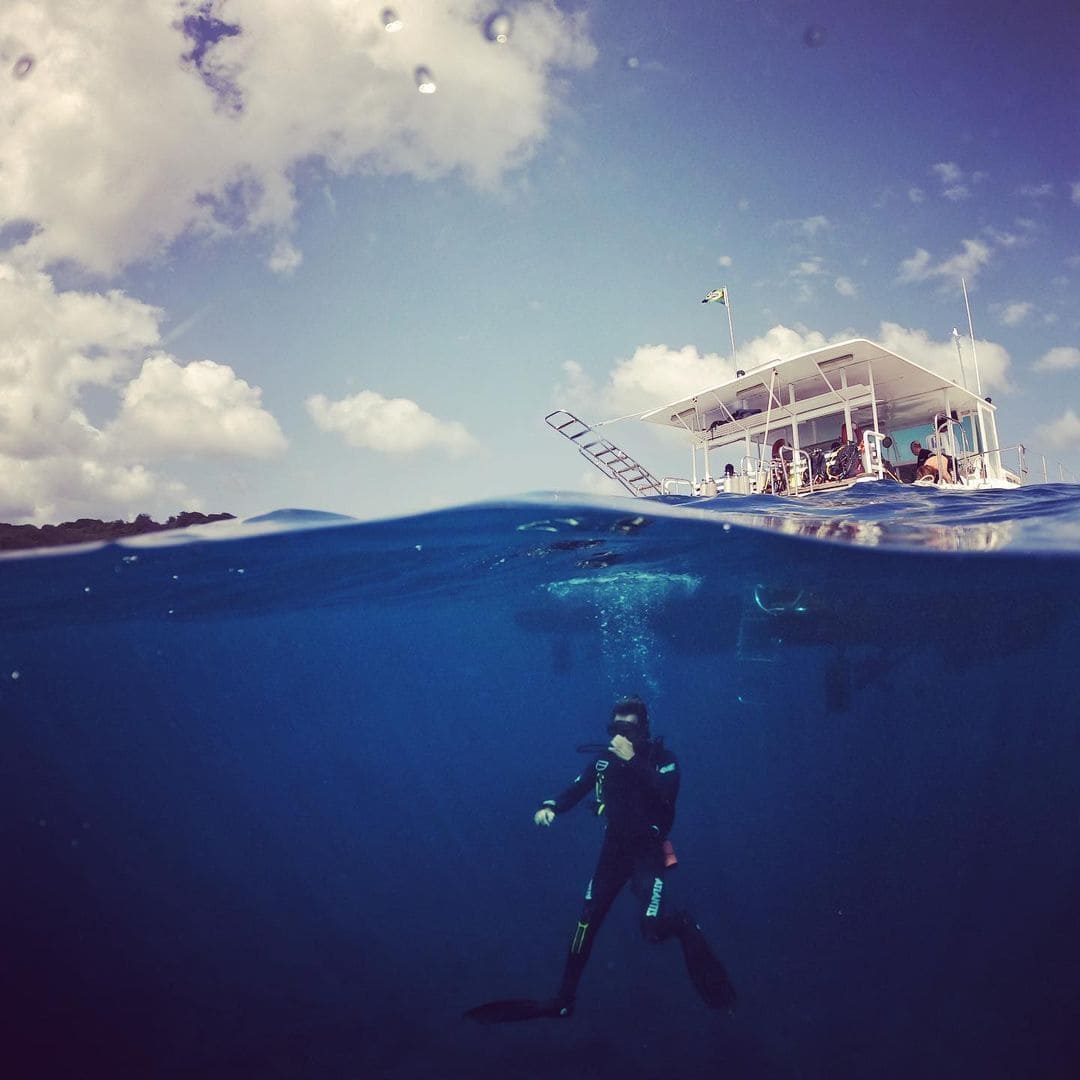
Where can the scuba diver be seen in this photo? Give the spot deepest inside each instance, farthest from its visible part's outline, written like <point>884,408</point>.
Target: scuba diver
<point>636,781</point>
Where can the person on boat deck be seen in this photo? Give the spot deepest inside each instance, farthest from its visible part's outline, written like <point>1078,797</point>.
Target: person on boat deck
<point>636,782</point>
<point>932,463</point>
<point>778,471</point>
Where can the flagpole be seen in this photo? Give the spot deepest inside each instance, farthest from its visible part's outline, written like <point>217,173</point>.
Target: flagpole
<point>730,326</point>
<point>723,296</point>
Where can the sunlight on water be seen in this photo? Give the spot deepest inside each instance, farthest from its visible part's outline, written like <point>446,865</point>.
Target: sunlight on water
<point>622,605</point>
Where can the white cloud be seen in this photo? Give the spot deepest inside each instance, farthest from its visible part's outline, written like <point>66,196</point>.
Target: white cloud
<point>965,263</point>
<point>199,409</point>
<point>1037,191</point>
<point>1062,358</point>
<point>957,192</point>
<point>811,226</point>
<point>52,345</point>
<point>1064,432</point>
<point>845,286</point>
<point>724,260</point>
<point>1074,188</point>
<point>389,425</point>
<point>54,461</point>
<point>916,267</point>
<point>1014,314</point>
<point>285,258</point>
<point>947,171</point>
<point>656,374</point>
<point>652,375</point>
<point>208,143</point>
<point>916,195</point>
<point>810,267</point>
<point>940,356</point>
<point>62,487</point>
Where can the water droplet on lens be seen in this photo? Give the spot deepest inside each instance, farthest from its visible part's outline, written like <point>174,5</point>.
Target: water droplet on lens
<point>497,27</point>
<point>632,62</point>
<point>425,81</point>
<point>814,37</point>
<point>23,66</point>
<point>390,21</point>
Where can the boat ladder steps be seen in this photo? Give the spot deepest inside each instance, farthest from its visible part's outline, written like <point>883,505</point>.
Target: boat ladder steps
<point>610,459</point>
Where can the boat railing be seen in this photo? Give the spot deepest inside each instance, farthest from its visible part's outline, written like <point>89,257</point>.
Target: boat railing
<point>760,473</point>
<point>794,461</point>
<point>874,447</point>
<point>975,466</point>
<point>674,485</point>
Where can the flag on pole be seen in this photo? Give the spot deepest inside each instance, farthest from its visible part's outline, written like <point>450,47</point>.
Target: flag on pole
<point>716,296</point>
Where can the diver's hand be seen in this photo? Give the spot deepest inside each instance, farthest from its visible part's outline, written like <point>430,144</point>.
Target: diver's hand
<point>622,747</point>
<point>544,816</point>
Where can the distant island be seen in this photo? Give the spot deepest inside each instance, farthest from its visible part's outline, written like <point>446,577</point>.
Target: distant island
<point>15,537</point>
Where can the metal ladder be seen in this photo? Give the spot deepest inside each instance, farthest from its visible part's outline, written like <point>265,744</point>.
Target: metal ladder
<point>606,456</point>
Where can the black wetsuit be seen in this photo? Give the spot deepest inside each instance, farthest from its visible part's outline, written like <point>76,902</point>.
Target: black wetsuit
<point>636,800</point>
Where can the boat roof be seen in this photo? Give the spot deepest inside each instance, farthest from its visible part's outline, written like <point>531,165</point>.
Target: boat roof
<point>907,393</point>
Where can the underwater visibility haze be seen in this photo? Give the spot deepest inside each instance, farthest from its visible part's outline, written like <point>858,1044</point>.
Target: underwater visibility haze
<point>268,789</point>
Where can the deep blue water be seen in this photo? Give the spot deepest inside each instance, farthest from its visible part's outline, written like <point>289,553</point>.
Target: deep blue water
<point>266,796</point>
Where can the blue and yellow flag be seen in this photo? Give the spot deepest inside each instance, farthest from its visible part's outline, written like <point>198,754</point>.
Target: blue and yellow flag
<point>716,296</point>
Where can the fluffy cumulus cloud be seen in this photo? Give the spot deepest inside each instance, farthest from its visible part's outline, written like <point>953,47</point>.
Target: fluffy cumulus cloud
<point>199,409</point>
<point>656,374</point>
<point>233,95</point>
<point>1062,358</point>
<point>653,375</point>
<point>940,356</point>
<point>56,347</point>
<point>1062,433</point>
<point>388,425</point>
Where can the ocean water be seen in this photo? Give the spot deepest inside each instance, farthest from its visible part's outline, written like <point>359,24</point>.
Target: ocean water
<point>267,789</point>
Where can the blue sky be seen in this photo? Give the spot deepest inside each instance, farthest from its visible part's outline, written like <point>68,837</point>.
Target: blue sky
<point>281,276</point>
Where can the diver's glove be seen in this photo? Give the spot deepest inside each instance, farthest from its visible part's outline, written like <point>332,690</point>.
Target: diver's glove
<point>544,816</point>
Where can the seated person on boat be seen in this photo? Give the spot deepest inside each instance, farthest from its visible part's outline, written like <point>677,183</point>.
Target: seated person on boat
<point>932,463</point>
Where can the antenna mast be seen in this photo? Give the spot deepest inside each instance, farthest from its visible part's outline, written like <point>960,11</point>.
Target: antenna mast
<point>960,356</point>
<point>971,333</point>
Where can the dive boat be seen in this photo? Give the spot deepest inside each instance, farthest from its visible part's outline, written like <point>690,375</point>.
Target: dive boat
<point>849,413</point>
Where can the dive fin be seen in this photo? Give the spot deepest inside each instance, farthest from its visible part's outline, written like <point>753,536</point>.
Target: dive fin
<point>514,1009</point>
<point>709,976</point>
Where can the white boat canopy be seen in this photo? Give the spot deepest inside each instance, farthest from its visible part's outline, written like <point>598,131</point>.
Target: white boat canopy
<point>814,384</point>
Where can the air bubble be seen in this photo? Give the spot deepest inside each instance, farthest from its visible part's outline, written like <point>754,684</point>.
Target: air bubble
<point>14,674</point>
<point>86,588</point>
<point>391,23</point>
<point>425,81</point>
<point>497,28</point>
<point>632,62</point>
<point>23,66</point>
<point>814,37</point>
<point>129,558</point>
